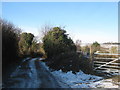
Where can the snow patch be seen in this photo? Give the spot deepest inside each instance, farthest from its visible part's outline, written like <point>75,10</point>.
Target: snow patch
<point>78,80</point>
<point>27,77</point>
<point>82,80</point>
<point>106,83</point>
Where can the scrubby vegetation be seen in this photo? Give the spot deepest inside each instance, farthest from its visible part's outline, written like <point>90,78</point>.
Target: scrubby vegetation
<point>28,45</point>
<point>25,43</point>
<point>95,47</point>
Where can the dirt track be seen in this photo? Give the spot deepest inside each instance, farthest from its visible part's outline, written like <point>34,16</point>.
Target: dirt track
<point>32,74</point>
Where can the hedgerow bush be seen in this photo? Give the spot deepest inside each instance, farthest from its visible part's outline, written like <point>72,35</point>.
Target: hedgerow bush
<point>56,41</point>
<point>10,38</point>
<point>61,52</point>
<point>10,50</point>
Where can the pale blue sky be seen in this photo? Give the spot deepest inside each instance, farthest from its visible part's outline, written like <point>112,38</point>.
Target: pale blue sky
<point>87,21</point>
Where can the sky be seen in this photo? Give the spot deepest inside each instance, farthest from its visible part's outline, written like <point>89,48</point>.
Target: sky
<point>86,21</point>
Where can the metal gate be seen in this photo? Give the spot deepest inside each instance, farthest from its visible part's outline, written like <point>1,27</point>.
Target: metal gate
<point>108,65</point>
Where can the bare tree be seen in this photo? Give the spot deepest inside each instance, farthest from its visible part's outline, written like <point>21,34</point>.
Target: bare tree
<point>44,30</point>
<point>78,44</point>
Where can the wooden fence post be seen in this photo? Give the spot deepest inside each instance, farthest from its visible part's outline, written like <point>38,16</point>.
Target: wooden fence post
<point>91,57</point>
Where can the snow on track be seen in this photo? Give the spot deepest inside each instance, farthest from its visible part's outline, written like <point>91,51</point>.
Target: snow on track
<point>25,76</point>
<point>31,74</point>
